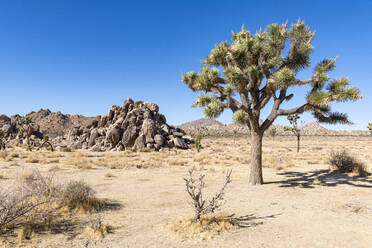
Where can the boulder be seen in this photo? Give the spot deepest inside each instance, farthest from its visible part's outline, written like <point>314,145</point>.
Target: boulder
<point>129,136</point>
<point>152,106</point>
<point>179,143</point>
<point>94,134</point>
<point>159,140</point>
<point>113,136</point>
<point>139,144</point>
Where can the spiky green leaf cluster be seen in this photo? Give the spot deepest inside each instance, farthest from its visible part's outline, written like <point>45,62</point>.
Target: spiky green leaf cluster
<point>202,81</point>
<point>283,78</point>
<point>240,117</point>
<point>212,105</point>
<point>319,98</point>
<point>234,75</point>
<point>218,55</point>
<point>300,37</point>
<point>331,117</point>
<point>369,127</point>
<point>336,91</point>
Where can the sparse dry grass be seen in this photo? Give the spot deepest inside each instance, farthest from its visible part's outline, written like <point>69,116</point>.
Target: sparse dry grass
<point>208,226</point>
<point>96,228</point>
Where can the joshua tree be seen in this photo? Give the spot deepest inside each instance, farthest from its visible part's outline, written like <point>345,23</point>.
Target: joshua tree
<point>27,129</point>
<point>370,127</point>
<point>273,133</point>
<point>259,71</point>
<point>2,141</point>
<point>47,142</point>
<point>294,128</point>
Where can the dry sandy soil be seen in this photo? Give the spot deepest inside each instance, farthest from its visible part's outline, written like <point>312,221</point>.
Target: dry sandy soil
<point>301,204</point>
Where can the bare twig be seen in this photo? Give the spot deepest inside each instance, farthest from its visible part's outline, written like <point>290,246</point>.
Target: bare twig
<point>195,192</point>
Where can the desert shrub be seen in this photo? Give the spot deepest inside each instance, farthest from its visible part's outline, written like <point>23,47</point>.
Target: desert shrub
<point>19,201</point>
<point>345,163</point>
<point>77,195</point>
<point>201,207</point>
<point>96,228</point>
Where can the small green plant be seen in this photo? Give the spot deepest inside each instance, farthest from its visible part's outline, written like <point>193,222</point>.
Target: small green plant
<point>273,133</point>
<point>294,128</point>
<point>370,127</point>
<point>198,142</point>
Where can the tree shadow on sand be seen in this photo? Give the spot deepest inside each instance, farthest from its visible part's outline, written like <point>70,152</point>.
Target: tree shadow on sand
<point>321,177</point>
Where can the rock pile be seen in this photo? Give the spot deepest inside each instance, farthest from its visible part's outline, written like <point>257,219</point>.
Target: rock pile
<point>14,130</point>
<point>136,125</point>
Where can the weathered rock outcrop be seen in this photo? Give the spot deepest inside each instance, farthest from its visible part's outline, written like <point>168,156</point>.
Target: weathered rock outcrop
<point>136,125</point>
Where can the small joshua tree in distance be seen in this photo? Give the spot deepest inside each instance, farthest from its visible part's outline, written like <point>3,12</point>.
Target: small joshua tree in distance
<point>258,70</point>
<point>47,142</point>
<point>27,122</point>
<point>294,128</point>
<point>370,127</point>
<point>273,133</point>
<point>201,207</point>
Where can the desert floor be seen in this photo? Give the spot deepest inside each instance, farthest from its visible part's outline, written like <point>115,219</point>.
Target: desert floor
<point>301,204</point>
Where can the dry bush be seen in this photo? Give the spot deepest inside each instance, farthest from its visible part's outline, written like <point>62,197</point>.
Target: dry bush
<point>77,195</point>
<point>206,228</point>
<point>19,201</point>
<point>201,207</point>
<point>345,163</point>
<point>78,160</point>
<point>96,228</point>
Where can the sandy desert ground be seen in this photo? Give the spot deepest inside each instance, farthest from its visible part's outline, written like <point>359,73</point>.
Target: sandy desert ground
<point>301,204</point>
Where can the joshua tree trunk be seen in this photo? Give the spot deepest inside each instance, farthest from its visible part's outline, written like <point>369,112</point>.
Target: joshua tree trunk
<point>298,143</point>
<point>255,176</point>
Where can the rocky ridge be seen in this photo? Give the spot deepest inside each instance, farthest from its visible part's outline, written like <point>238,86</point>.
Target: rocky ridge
<point>136,125</point>
<point>310,129</point>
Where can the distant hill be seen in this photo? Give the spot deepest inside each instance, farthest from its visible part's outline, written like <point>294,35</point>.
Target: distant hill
<point>213,127</point>
<point>204,122</point>
<point>50,123</point>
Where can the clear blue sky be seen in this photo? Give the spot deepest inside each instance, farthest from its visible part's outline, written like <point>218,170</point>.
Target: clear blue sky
<point>84,56</point>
